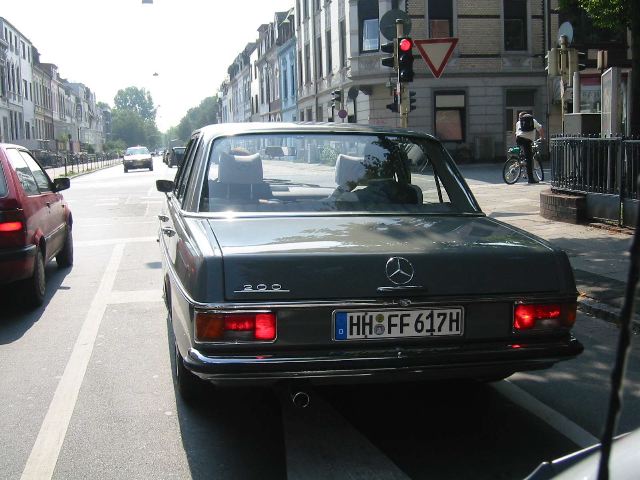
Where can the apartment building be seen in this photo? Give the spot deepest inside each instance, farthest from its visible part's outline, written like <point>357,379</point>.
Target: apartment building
<point>38,109</point>
<point>496,70</point>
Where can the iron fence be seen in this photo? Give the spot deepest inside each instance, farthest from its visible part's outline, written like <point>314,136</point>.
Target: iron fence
<point>605,169</point>
<point>73,163</point>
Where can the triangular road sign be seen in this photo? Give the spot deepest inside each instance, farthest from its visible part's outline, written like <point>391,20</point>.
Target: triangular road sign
<point>436,52</point>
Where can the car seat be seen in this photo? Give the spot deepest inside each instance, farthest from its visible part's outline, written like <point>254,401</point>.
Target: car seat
<point>240,178</point>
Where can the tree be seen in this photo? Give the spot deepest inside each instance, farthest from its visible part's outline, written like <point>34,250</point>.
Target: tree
<point>613,14</point>
<point>204,114</point>
<point>128,126</point>
<point>137,100</point>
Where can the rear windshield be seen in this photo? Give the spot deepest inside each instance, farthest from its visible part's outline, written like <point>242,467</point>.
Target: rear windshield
<point>332,172</point>
<point>3,183</point>
<point>137,151</point>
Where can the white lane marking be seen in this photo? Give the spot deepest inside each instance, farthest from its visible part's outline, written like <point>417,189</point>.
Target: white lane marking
<point>112,241</point>
<point>135,296</point>
<point>554,419</point>
<point>106,204</point>
<point>44,454</point>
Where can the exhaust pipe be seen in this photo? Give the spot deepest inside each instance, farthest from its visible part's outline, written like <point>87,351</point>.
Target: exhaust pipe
<point>300,399</point>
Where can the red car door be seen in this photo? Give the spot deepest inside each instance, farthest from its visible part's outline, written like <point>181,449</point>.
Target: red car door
<point>54,201</point>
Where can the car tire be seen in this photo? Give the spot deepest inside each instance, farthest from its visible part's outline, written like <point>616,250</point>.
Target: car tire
<point>151,168</point>
<point>34,287</point>
<point>187,383</point>
<point>64,258</point>
<point>126,170</point>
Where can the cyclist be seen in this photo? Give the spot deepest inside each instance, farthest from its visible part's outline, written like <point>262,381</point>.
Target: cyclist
<point>526,128</point>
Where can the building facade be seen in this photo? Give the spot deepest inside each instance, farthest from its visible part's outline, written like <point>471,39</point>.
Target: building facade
<point>286,58</point>
<point>39,109</point>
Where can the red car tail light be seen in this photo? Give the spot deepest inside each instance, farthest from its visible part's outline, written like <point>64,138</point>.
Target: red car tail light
<point>223,327</point>
<point>12,228</point>
<point>544,316</point>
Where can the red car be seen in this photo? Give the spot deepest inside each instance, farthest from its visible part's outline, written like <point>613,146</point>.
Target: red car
<point>35,223</point>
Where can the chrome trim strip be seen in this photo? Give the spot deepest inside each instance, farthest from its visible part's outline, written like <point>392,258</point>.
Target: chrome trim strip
<point>402,288</point>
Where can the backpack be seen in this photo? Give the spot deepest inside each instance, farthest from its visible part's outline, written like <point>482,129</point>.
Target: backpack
<point>526,123</point>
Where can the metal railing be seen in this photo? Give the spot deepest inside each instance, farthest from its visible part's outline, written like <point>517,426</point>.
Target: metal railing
<point>597,165</point>
<point>73,163</point>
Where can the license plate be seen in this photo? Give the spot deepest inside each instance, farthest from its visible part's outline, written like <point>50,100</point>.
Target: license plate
<point>427,322</point>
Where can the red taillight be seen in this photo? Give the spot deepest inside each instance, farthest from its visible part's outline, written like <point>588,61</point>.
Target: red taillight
<point>10,226</point>
<point>220,327</point>
<point>527,317</point>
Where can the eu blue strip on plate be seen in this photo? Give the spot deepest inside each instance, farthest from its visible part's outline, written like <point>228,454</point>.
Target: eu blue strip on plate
<point>341,326</point>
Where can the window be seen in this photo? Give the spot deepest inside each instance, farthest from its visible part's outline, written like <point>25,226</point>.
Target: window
<point>328,49</point>
<point>307,64</point>
<point>515,25</point>
<point>450,116</point>
<point>25,176</point>
<point>319,114</point>
<point>381,173</point>
<point>369,25</point>
<point>42,179</point>
<point>293,79</point>
<point>343,44</point>
<point>302,115</point>
<point>309,114</point>
<point>318,56</point>
<point>285,83</point>
<point>300,68</point>
<point>440,18</point>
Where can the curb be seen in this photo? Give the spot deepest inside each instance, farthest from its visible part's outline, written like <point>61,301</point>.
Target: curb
<point>606,312</point>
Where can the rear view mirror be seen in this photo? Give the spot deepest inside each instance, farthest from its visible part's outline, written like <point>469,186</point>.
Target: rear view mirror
<point>164,186</point>
<point>61,183</point>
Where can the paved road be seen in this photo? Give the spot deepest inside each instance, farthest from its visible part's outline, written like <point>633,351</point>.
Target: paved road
<point>87,390</point>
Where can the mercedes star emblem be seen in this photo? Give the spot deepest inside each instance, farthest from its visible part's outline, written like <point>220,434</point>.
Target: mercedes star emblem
<point>399,270</point>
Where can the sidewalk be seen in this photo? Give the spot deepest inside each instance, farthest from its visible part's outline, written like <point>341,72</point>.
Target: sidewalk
<point>81,169</point>
<point>600,257</point>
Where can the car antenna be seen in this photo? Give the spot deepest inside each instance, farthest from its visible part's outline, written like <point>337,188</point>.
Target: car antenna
<point>624,340</point>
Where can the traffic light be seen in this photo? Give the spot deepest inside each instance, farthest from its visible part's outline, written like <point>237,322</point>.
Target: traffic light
<point>574,58</point>
<point>336,99</point>
<point>553,63</point>
<point>394,106</point>
<point>405,59</point>
<point>391,48</point>
<point>412,101</point>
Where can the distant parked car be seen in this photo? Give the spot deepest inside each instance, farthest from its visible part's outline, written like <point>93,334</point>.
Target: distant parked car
<point>35,223</point>
<point>137,157</point>
<point>176,155</point>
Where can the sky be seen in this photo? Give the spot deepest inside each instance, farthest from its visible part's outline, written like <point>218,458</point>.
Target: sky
<point>114,44</point>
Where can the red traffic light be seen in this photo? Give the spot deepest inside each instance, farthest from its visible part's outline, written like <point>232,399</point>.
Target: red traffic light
<point>405,45</point>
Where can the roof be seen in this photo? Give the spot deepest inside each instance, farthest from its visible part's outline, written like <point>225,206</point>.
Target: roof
<point>221,129</point>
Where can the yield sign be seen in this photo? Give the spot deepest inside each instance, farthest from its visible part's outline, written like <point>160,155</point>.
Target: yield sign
<point>436,52</point>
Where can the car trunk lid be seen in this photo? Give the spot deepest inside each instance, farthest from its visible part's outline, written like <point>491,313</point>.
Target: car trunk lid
<point>349,257</point>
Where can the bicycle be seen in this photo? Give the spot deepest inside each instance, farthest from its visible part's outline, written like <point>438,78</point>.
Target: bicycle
<point>516,165</point>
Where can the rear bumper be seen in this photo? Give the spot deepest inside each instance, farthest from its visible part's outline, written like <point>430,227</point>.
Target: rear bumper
<point>469,361</point>
<point>16,263</point>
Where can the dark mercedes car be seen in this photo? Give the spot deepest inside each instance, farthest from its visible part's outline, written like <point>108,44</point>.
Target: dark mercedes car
<point>362,256</point>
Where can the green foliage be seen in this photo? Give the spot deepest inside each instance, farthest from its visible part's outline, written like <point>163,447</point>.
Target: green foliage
<point>136,100</point>
<point>129,127</point>
<point>604,13</point>
<point>115,146</point>
<point>204,114</point>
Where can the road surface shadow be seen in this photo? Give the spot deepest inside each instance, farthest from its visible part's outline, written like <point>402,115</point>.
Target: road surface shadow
<point>17,318</point>
<point>231,433</point>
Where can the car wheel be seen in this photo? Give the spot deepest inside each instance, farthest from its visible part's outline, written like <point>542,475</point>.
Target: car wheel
<point>151,168</point>
<point>126,170</point>
<point>187,383</point>
<point>34,287</point>
<point>64,259</point>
